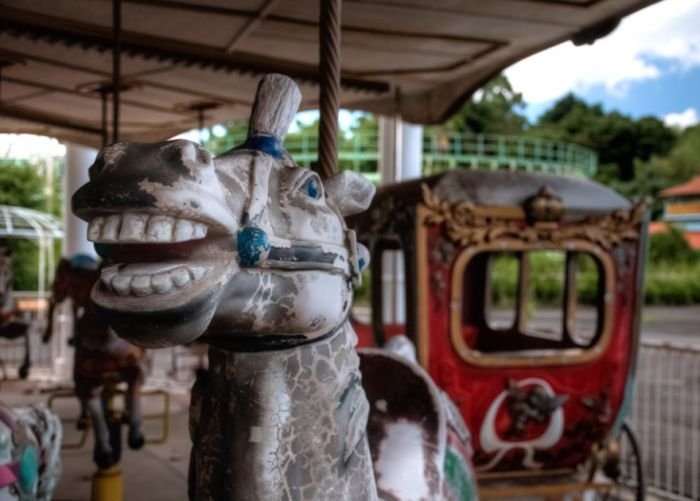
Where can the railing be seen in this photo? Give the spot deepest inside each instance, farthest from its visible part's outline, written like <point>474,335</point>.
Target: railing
<point>447,151</point>
<point>666,417</point>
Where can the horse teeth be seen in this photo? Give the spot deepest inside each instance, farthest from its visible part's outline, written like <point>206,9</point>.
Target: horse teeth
<point>107,274</point>
<point>120,284</point>
<point>95,228</point>
<point>110,231</point>
<point>161,283</point>
<point>137,227</point>
<point>133,227</point>
<point>160,229</point>
<point>141,286</point>
<point>180,277</point>
<point>200,230</point>
<point>184,230</point>
<point>197,272</point>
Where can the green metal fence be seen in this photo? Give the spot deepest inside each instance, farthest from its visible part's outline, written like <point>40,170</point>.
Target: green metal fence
<point>446,151</point>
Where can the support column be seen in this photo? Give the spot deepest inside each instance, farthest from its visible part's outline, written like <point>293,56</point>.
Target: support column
<point>400,158</point>
<point>78,159</point>
<point>411,151</point>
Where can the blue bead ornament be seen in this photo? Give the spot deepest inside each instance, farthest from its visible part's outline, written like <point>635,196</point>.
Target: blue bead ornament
<point>253,246</point>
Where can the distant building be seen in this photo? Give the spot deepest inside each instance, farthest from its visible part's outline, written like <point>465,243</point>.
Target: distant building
<point>682,209</point>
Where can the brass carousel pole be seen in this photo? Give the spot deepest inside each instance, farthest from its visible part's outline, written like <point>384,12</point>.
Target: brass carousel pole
<point>329,79</point>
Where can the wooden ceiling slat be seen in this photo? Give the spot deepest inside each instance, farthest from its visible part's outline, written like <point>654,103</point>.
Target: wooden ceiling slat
<point>38,26</point>
<point>419,58</point>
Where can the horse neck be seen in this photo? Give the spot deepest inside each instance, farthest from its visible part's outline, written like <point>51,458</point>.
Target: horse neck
<point>286,424</point>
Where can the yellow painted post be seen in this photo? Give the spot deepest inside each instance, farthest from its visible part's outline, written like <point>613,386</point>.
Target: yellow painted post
<point>108,485</point>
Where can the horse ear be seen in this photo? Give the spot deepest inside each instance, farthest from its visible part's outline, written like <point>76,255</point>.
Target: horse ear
<point>350,192</point>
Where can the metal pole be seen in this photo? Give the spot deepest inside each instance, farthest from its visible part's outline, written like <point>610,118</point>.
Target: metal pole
<point>329,68</point>
<point>105,133</point>
<point>116,65</point>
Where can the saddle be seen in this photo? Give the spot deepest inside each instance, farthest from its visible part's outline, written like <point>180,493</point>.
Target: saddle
<point>413,427</point>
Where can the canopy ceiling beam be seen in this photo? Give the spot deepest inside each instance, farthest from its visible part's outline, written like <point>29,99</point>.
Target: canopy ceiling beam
<point>89,95</point>
<point>19,22</point>
<point>348,28</point>
<point>139,83</point>
<point>29,115</point>
<point>250,25</point>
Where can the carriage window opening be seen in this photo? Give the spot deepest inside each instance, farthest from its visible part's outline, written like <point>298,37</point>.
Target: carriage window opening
<point>500,309</point>
<point>530,300</point>
<point>542,310</point>
<point>583,309</point>
<point>393,288</point>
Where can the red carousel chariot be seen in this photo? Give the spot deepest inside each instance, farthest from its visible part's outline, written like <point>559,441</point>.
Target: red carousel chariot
<point>544,392</point>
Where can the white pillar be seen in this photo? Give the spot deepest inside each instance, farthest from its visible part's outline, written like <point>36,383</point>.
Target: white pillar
<point>78,159</point>
<point>411,151</point>
<point>387,148</point>
<point>400,158</point>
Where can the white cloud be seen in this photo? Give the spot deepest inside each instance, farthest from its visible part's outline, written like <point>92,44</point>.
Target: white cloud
<point>683,119</point>
<point>667,31</point>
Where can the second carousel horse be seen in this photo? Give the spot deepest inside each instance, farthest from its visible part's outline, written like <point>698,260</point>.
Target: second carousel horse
<point>101,358</point>
<point>10,326</point>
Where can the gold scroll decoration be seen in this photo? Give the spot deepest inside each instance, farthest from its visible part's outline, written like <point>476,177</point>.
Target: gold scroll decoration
<point>467,224</point>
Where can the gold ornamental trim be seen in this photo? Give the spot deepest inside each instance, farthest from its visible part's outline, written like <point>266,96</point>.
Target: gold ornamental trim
<point>468,224</point>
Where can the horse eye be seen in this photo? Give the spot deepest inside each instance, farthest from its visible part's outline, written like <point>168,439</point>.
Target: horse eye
<point>312,189</point>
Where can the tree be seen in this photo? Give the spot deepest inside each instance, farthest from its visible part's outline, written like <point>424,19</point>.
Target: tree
<point>494,109</point>
<point>618,139</point>
<point>21,185</point>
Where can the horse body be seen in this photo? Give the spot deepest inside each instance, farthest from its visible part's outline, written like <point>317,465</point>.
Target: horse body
<point>101,357</point>
<point>251,252</point>
<point>10,326</point>
<point>30,444</point>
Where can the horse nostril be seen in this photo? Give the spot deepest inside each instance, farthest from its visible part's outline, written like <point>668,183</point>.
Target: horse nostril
<point>253,246</point>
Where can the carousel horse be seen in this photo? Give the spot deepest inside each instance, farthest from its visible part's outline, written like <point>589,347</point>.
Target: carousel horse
<point>251,252</point>
<point>30,446</point>
<point>10,327</point>
<point>102,360</point>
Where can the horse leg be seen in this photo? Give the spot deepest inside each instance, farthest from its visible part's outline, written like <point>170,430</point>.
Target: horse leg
<point>24,368</point>
<point>103,454</point>
<point>133,407</point>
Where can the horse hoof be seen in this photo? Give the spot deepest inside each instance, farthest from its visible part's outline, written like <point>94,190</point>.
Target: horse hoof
<point>135,440</point>
<point>24,372</point>
<point>104,460</point>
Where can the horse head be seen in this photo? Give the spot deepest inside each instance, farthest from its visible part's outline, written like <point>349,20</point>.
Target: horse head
<point>239,247</point>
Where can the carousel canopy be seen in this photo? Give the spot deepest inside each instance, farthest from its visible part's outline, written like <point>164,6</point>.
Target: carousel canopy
<point>184,59</point>
<point>20,222</point>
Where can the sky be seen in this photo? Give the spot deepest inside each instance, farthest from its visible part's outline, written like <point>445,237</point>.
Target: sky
<point>650,65</point>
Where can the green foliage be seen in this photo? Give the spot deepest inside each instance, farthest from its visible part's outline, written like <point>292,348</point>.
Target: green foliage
<point>494,109</point>
<point>673,283</point>
<point>683,161</point>
<point>21,185</point>
<point>670,247</point>
<point>671,279</point>
<point>619,140</point>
